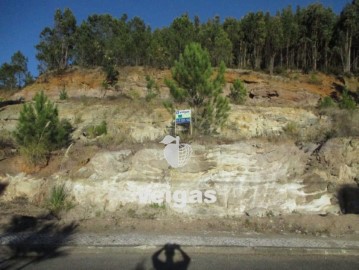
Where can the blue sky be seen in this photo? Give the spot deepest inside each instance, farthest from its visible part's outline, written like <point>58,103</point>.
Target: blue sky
<point>21,21</point>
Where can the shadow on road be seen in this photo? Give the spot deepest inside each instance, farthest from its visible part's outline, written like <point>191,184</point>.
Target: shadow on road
<point>170,261</point>
<point>348,197</point>
<point>28,240</point>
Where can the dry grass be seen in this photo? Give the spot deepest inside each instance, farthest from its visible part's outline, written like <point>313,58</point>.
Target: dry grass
<point>344,123</point>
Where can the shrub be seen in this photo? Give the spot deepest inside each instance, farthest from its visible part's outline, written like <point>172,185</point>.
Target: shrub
<point>152,89</point>
<point>280,70</point>
<point>292,130</point>
<point>36,154</point>
<point>347,102</point>
<point>39,129</point>
<point>57,201</point>
<point>111,75</point>
<point>95,131</point>
<point>238,92</point>
<point>344,123</point>
<point>6,139</point>
<point>63,94</point>
<point>314,79</point>
<point>326,102</point>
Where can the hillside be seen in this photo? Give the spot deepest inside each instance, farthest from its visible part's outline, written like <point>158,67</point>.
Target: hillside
<point>290,87</point>
<point>278,142</point>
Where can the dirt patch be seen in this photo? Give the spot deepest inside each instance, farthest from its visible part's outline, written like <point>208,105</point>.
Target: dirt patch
<point>152,219</point>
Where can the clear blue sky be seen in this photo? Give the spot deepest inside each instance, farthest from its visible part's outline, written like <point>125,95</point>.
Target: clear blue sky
<point>21,21</point>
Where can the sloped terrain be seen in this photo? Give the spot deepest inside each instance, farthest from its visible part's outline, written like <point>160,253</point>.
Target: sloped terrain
<point>278,158</point>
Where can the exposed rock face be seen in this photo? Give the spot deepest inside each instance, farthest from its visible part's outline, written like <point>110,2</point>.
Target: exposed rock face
<point>249,122</point>
<point>338,161</point>
<point>139,125</point>
<point>251,177</point>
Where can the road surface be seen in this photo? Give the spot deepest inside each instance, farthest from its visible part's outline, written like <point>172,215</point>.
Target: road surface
<point>213,258</point>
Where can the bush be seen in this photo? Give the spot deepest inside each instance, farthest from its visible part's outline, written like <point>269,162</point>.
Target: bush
<point>326,102</point>
<point>314,79</point>
<point>57,201</point>
<point>40,131</point>
<point>63,94</point>
<point>111,75</point>
<point>292,130</point>
<point>152,89</point>
<point>36,154</point>
<point>238,92</point>
<point>347,102</point>
<point>95,131</point>
<point>344,123</point>
<point>6,139</point>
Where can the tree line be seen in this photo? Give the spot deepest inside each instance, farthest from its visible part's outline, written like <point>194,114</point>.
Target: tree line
<point>15,74</point>
<point>309,39</point>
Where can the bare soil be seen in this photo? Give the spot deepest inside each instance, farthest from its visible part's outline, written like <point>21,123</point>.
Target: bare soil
<point>162,221</point>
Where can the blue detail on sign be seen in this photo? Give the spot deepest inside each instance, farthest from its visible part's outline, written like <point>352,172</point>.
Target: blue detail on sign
<point>183,120</point>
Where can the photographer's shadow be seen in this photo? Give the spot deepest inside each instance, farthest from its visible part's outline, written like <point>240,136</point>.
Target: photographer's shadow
<point>169,263</point>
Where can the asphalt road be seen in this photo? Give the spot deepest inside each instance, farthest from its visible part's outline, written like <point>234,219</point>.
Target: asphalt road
<point>140,258</point>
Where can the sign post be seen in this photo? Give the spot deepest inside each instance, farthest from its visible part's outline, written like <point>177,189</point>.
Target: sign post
<point>183,117</point>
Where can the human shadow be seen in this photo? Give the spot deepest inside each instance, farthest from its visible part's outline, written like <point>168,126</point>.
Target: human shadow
<point>169,263</point>
<point>28,240</point>
<point>348,197</point>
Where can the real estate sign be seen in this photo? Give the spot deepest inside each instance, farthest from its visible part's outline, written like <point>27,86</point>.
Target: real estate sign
<point>183,116</point>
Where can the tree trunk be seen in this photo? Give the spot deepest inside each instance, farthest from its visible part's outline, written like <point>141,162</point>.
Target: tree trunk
<point>271,64</point>
<point>304,56</point>
<point>326,56</point>
<point>257,60</point>
<point>287,55</point>
<point>314,57</point>
<point>347,53</point>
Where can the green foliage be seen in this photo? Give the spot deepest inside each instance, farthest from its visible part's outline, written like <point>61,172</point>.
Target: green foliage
<point>326,102</point>
<point>313,79</point>
<point>58,200</point>
<point>7,76</point>
<point>35,154</point>
<point>169,106</point>
<point>213,38</point>
<point>158,206</point>
<point>63,94</point>
<point>15,75</point>
<point>95,131</point>
<point>291,129</point>
<point>238,92</point>
<point>111,75</point>
<point>152,88</point>
<point>39,129</point>
<point>19,62</point>
<point>193,83</point>
<point>311,38</point>
<point>56,47</point>
<point>347,102</point>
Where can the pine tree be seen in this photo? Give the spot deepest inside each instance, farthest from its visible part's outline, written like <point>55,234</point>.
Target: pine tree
<point>193,84</point>
<point>39,129</point>
<point>238,92</point>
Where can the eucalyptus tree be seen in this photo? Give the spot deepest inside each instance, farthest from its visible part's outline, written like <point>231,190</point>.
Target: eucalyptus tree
<point>55,50</point>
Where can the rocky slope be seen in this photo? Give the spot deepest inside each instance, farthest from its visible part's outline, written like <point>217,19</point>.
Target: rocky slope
<point>256,166</point>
